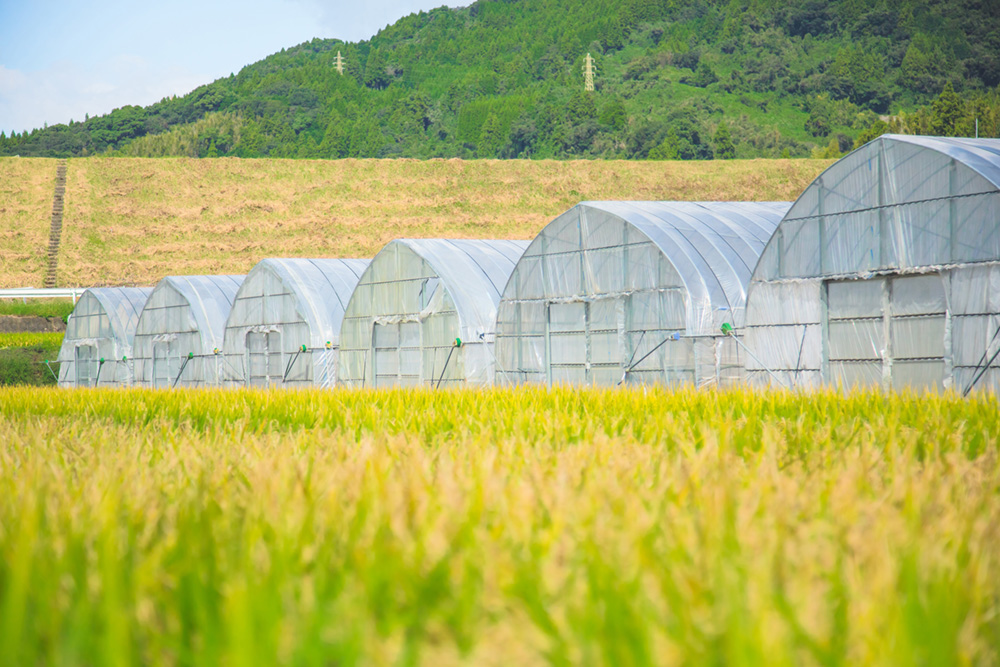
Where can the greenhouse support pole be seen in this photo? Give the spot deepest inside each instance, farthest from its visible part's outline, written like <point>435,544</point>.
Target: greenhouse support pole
<point>628,370</point>
<point>981,373</point>
<point>458,343</point>
<point>49,366</point>
<point>638,344</point>
<point>980,370</point>
<point>291,362</point>
<point>183,366</point>
<point>727,330</point>
<point>100,367</point>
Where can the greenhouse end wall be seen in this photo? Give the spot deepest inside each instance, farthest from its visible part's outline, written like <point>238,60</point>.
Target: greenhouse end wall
<point>885,273</point>
<point>97,347</point>
<point>633,292</point>
<point>284,327</point>
<point>178,339</point>
<point>424,313</point>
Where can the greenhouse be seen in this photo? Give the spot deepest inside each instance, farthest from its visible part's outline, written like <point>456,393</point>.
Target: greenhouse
<point>284,326</point>
<point>424,312</point>
<point>885,272</point>
<point>97,346</point>
<point>633,292</point>
<point>178,339</point>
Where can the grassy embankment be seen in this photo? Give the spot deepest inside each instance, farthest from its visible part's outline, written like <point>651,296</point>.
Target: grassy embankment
<point>133,221</point>
<point>498,527</point>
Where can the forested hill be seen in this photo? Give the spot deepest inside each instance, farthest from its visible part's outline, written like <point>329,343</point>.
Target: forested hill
<point>691,79</point>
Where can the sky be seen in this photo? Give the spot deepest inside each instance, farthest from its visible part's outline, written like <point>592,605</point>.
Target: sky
<point>63,59</point>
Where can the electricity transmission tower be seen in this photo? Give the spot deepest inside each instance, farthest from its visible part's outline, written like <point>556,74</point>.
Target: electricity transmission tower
<point>588,74</point>
<point>339,64</point>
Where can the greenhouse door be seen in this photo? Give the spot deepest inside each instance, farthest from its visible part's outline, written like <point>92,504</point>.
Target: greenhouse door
<point>86,366</point>
<point>264,358</point>
<point>886,332</point>
<point>397,355</point>
<point>584,342</point>
<point>166,364</point>
<point>917,323</point>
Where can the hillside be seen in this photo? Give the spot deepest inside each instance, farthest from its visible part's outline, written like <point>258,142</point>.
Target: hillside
<point>686,79</point>
<point>134,220</point>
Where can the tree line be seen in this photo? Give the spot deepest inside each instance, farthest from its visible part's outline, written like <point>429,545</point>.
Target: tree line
<point>676,79</point>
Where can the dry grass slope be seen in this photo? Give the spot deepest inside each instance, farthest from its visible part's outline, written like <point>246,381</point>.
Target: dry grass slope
<point>26,187</point>
<point>134,220</point>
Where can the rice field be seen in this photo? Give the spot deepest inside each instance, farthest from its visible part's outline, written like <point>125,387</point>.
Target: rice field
<point>564,526</point>
<point>50,339</point>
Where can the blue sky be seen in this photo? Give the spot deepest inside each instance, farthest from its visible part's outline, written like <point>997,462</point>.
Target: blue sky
<point>62,59</point>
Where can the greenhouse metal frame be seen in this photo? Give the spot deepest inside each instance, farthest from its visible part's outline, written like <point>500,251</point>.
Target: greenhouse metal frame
<point>284,326</point>
<point>424,313</point>
<point>633,292</point>
<point>885,272</point>
<point>178,339</point>
<point>97,347</point>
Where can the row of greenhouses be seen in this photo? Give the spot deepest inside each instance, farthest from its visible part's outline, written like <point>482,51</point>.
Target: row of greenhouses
<point>885,272</point>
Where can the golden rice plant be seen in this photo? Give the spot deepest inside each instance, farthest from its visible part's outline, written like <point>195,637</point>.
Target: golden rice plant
<point>531,526</point>
<point>31,339</point>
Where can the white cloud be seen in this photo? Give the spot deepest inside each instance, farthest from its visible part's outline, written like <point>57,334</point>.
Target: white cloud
<point>65,91</point>
<point>56,70</point>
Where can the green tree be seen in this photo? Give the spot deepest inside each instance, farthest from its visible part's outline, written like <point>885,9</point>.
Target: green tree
<point>336,141</point>
<point>872,132</point>
<point>376,75</point>
<point>251,140</point>
<point>921,69</point>
<point>831,150</point>
<point>306,147</point>
<point>818,122</point>
<point>614,114</point>
<point>704,76</point>
<point>581,107</point>
<point>491,138</point>
<point>724,148</point>
<point>946,112</point>
<point>669,148</point>
<point>366,137</point>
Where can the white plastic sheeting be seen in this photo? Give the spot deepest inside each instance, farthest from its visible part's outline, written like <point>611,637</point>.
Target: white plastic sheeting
<point>415,302</point>
<point>178,339</point>
<point>284,327</point>
<point>97,347</point>
<point>885,272</point>
<point>635,292</point>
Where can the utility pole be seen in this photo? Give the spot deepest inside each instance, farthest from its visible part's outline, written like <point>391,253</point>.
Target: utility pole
<point>588,74</point>
<point>339,64</point>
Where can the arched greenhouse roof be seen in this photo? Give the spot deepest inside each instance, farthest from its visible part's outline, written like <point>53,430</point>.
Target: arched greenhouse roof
<point>321,289</point>
<point>979,155</point>
<point>898,169</point>
<point>473,272</point>
<point>713,246</point>
<point>898,203</point>
<point>122,305</point>
<point>209,298</point>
